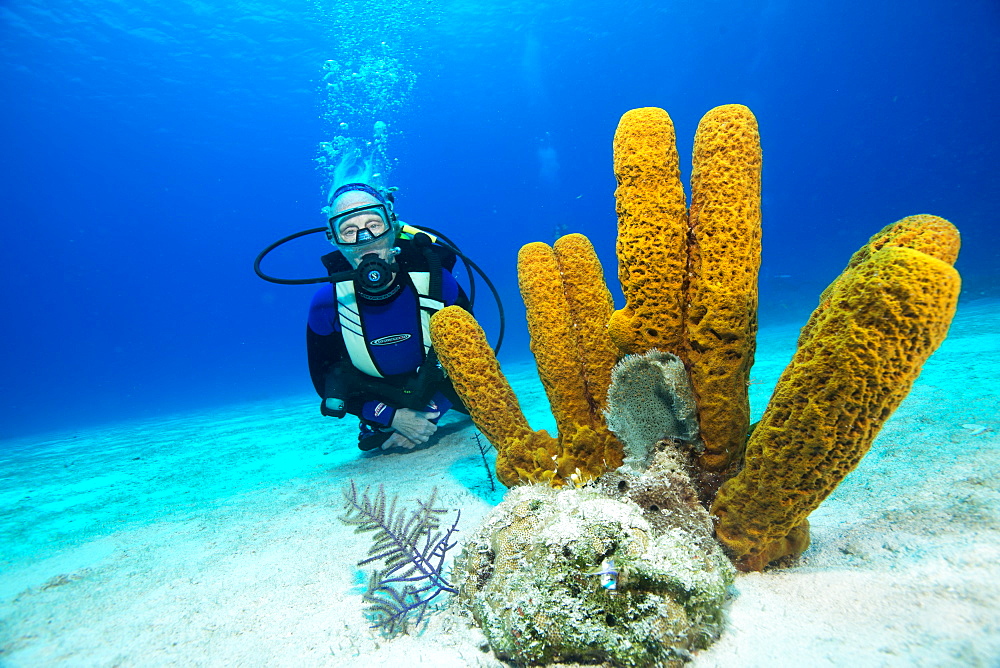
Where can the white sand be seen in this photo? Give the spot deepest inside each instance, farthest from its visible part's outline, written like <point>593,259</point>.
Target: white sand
<point>213,539</point>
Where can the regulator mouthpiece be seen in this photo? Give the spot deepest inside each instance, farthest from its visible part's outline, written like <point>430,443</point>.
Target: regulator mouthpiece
<point>374,273</point>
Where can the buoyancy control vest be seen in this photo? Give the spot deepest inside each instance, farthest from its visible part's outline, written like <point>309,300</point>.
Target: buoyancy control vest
<point>423,263</point>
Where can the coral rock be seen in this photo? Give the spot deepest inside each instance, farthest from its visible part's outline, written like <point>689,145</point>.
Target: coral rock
<point>665,491</point>
<point>530,576</point>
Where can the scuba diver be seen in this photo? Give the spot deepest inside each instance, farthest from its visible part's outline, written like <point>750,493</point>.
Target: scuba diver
<point>368,332</point>
<point>368,338</point>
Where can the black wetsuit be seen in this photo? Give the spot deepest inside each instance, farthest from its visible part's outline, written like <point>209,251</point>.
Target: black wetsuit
<point>390,324</point>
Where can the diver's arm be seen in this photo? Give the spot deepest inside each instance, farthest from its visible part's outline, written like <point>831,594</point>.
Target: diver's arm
<point>324,345</point>
<point>344,392</point>
<point>329,363</point>
<point>339,384</point>
<point>323,354</point>
<point>452,293</point>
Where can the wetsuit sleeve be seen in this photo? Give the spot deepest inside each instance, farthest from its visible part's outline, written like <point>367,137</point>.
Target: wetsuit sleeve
<point>330,368</point>
<point>452,293</point>
<point>324,345</point>
<point>333,375</point>
<point>324,353</point>
<point>440,403</point>
<point>378,412</point>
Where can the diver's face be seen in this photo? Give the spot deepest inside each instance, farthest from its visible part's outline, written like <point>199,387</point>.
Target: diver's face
<point>361,227</point>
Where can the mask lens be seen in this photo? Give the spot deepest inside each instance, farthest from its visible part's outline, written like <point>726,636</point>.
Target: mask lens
<point>361,224</point>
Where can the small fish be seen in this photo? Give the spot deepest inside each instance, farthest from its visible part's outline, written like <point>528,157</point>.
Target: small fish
<point>609,575</point>
<point>975,429</point>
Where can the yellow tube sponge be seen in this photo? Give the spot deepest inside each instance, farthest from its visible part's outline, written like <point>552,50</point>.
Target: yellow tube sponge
<point>885,316</point>
<point>723,262</point>
<point>554,341</point>
<point>567,305</point>
<point>690,279</point>
<point>466,355</point>
<point>928,234</point>
<point>652,234</point>
<point>590,305</point>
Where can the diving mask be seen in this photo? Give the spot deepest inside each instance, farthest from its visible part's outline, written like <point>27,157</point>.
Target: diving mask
<point>360,225</point>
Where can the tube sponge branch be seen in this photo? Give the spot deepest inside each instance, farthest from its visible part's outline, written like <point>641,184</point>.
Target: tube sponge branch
<point>652,234</point>
<point>567,305</point>
<point>720,328</point>
<point>690,278</point>
<point>857,359</point>
<point>466,355</point>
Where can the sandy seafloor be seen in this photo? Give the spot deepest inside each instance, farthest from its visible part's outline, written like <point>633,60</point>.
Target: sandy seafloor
<point>213,538</point>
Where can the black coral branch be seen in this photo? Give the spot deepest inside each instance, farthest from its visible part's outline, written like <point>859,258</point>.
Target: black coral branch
<point>412,548</point>
<point>482,451</point>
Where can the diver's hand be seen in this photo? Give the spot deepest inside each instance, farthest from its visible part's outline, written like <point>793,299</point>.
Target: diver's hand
<point>397,440</point>
<point>414,425</point>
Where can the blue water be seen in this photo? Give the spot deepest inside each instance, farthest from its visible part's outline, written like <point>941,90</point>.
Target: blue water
<point>152,149</point>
